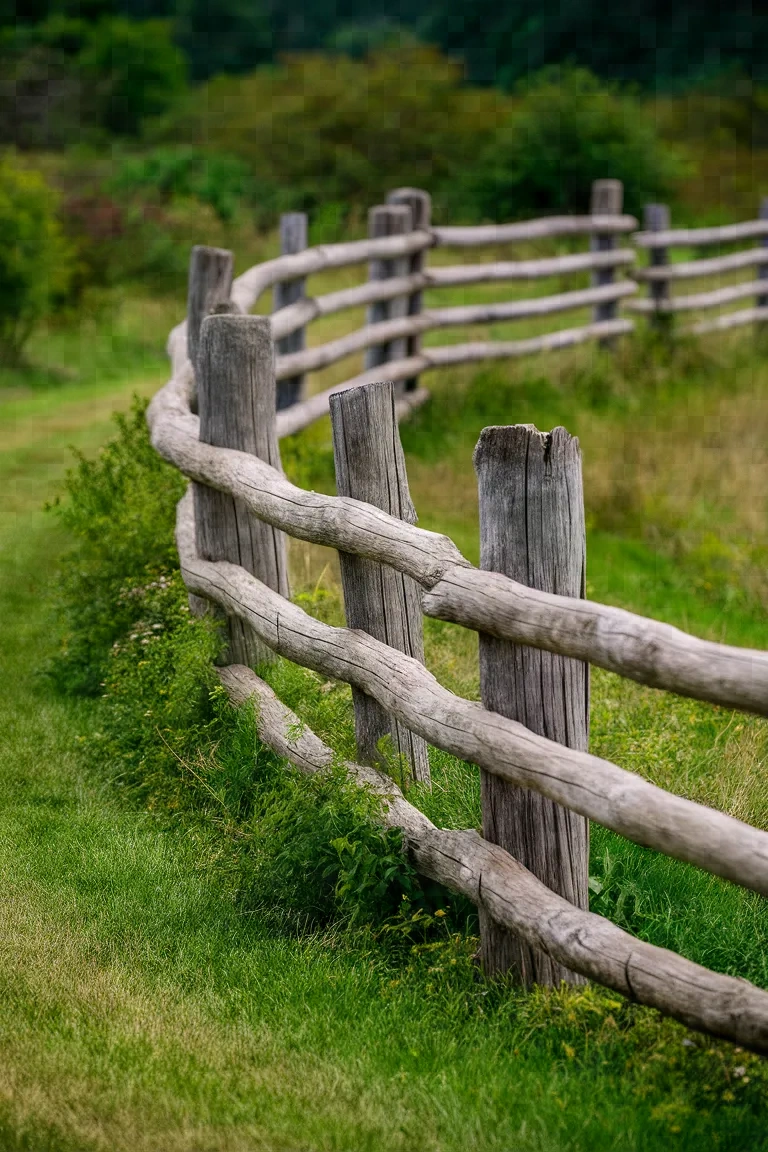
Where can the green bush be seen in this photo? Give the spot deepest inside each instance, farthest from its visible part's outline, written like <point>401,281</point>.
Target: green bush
<point>568,130</point>
<point>35,261</point>
<point>120,509</point>
<point>218,179</point>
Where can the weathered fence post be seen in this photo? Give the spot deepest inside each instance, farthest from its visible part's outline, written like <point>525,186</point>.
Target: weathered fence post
<point>532,529</point>
<point>762,269</point>
<point>420,204</point>
<point>293,239</point>
<point>607,200</point>
<point>387,220</point>
<point>370,466</point>
<point>209,284</point>
<point>656,219</point>
<point>237,410</point>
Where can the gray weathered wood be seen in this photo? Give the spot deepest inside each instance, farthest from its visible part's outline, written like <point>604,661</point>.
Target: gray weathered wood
<point>689,237</point>
<point>500,886</point>
<point>237,410</point>
<point>484,235</point>
<point>420,204</point>
<point>293,239</point>
<point>691,269</point>
<point>729,320</point>
<point>466,314</point>
<point>370,466</point>
<point>606,200</point>
<point>532,530</point>
<point>595,788</point>
<point>383,221</point>
<point>692,301</point>
<point>762,273</point>
<point>644,650</point>
<point>656,219</point>
<point>209,284</point>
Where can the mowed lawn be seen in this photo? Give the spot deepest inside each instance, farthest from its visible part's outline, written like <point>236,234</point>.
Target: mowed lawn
<point>142,1010</point>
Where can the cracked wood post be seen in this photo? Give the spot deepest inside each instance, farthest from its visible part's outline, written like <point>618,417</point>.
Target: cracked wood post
<point>532,530</point>
<point>386,604</point>
<point>237,410</point>
<point>209,284</point>
<point>388,220</point>
<point>293,239</point>
<point>656,219</point>
<point>420,204</point>
<point>606,200</point>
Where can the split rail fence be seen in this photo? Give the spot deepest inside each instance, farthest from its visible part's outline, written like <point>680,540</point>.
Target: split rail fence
<point>528,872</point>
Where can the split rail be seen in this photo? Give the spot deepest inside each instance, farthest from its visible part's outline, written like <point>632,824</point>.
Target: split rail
<point>540,785</point>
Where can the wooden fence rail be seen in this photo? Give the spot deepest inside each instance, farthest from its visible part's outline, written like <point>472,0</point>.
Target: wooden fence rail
<point>230,541</point>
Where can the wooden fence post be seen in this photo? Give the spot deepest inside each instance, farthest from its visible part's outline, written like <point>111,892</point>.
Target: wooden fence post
<point>237,410</point>
<point>293,239</point>
<point>532,529</point>
<point>209,284</point>
<point>388,220</point>
<point>420,204</point>
<point>656,219</point>
<point>762,269</point>
<point>370,466</point>
<point>607,199</point>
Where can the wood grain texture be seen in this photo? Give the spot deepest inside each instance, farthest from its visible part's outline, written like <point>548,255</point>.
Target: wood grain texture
<point>237,411</point>
<point>209,284</point>
<point>644,650</point>
<point>293,239</point>
<point>386,604</point>
<point>532,529</point>
<point>388,220</point>
<point>488,234</point>
<point>501,887</point>
<point>593,787</point>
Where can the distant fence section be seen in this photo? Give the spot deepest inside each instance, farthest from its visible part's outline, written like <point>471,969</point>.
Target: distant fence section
<point>219,420</point>
<point>664,278</point>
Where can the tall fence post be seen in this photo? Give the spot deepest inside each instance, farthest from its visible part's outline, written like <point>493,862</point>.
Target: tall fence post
<point>237,410</point>
<point>762,269</point>
<point>209,284</point>
<point>388,220</point>
<point>532,529</point>
<point>370,466</point>
<point>656,219</point>
<point>607,199</point>
<point>293,239</point>
<point>420,204</point>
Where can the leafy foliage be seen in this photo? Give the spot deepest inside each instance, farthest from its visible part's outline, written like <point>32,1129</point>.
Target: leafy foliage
<point>120,508</point>
<point>568,131</point>
<point>214,178</point>
<point>35,260</point>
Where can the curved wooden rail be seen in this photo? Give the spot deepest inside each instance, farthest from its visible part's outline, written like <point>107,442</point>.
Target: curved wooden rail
<point>433,319</point>
<point>712,299</point>
<point>597,789</point>
<point>634,646</point>
<point>484,235</point>
<point>514,897</point>
<point>693,237</point>
<point>730,320</point>
<point>689,269</point>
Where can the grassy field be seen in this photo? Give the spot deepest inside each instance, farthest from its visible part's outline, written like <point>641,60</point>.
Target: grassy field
<point>145,1007</point>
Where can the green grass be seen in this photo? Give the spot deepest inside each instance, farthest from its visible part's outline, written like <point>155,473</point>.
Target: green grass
<point>144,1008</point>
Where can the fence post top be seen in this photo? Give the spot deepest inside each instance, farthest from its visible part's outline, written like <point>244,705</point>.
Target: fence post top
<point>607,198</point>
<point>389,211</point>
<point>656,217</point>
<point>763,214</point>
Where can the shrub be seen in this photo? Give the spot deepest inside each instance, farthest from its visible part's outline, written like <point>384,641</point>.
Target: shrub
<point>567,131</point>
<point>120,509</point>
<point>35,260</point>
<point>215,178</point>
